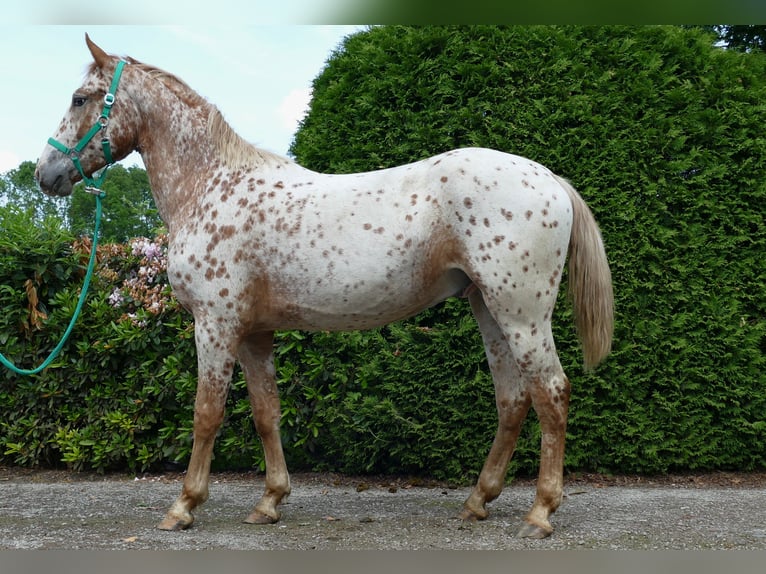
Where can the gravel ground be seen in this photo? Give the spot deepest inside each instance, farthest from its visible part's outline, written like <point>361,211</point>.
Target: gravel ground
<point>59,510</point>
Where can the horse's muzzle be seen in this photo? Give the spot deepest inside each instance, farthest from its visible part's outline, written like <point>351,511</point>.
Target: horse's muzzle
<point>54,177</point>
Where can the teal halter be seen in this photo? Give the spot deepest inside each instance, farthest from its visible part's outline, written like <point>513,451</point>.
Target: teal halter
<point>94,185</point>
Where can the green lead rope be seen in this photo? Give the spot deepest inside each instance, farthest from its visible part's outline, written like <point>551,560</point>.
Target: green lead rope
<point>91,186</point>
<point>80,302</point>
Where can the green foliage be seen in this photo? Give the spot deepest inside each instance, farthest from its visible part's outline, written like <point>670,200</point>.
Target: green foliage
<point>663,135</point>
<point>129,212</point>
<point>106,401</point>
<point>35,264</point>
<point>743,37</point>
<point>19,192</point>
<point>403,409</point>
<point>660,131</point>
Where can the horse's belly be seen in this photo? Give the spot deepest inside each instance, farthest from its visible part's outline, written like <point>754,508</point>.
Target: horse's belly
<point>365,304</point>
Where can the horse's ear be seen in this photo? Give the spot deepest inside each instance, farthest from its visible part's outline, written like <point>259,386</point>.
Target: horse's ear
<point>99,56</point>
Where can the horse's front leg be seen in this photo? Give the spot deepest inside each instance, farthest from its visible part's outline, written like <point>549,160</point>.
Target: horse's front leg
<point>215,366</point>
<point>257,360</point>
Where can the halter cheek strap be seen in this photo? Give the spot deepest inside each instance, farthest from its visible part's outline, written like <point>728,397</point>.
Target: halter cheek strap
<point>93,185</point>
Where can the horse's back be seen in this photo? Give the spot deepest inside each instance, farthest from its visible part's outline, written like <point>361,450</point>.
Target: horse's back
<point>462,189</point>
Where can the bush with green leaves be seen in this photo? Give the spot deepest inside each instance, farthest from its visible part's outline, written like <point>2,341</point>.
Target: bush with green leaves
<point>108,397</point>
<point>121,393</point>
<point>660,131</point>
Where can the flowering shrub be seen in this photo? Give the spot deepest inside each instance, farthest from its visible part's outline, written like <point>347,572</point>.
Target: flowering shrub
<point>140,270</point>
<point>121,393</point>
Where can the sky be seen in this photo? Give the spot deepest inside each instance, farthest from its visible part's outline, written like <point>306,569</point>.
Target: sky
<point>259,76</point>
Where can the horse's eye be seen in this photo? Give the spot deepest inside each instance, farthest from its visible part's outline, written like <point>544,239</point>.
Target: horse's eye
<point>79,101</point>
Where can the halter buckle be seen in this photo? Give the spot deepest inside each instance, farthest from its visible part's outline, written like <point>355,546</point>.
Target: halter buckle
<point>95,191</point>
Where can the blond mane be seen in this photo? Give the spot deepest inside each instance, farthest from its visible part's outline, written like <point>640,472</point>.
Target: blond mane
<point>234,151</point>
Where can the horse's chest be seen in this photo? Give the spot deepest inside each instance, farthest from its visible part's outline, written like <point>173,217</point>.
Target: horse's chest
<point>199,264</point>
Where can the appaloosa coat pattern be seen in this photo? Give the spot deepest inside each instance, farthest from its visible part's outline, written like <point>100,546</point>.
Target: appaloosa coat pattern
<point>258,243</point>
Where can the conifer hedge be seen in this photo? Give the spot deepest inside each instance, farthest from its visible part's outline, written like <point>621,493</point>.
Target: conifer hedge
<point>660,131</point>
<point>663,135</point>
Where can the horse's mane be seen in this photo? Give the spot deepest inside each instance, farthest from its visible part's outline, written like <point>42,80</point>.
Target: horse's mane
<point>234,151</point>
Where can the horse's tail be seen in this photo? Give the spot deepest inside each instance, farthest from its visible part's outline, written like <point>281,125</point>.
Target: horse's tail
<point>590,282</point>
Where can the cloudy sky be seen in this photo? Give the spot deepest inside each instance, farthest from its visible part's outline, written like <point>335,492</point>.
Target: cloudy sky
<point>258,76</point>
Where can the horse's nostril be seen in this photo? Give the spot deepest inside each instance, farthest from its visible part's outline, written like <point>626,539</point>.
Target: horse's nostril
<point>56,187</point>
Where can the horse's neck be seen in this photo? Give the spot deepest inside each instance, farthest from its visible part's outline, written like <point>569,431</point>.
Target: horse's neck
<point>172,180</point>
<point>176,150</point>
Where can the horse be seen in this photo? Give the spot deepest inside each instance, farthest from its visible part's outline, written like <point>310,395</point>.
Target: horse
<point>258,243</point>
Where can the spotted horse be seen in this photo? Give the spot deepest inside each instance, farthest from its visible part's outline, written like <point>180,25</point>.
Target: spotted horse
<point>259,243</point>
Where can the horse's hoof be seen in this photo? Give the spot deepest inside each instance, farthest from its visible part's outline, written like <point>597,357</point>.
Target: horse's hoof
<point>534,531</point>
<point>257,517</point>
<point>468,515</point>
<point>174,523</point>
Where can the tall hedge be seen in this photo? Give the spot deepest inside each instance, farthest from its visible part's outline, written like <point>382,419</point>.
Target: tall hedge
<point>660,131</point>
<point>663,134</point>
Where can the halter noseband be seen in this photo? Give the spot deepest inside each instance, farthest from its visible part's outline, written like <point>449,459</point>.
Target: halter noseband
<point>93,185</point>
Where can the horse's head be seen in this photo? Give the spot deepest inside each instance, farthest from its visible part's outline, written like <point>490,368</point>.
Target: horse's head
<point>99,128</point>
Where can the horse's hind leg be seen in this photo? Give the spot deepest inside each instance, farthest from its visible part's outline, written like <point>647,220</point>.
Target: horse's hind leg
<point>257,360</point>
<point>548,387</point>
<point>215,368</point>
<point>526,370</point>
<point>550,398</point>
<point>512,402</point>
